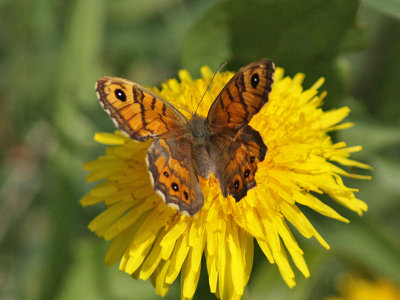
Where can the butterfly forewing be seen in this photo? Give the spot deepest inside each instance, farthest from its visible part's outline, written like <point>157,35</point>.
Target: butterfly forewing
<point>137,111</point>
<point>243,96</point>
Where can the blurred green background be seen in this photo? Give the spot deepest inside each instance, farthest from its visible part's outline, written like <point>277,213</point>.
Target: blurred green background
<point>51,54</point>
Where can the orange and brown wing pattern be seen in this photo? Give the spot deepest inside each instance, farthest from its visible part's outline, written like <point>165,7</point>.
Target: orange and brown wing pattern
<point>137,111</point>
<point>243,96</point>
<point>236,160</point>
<point>173,174</point>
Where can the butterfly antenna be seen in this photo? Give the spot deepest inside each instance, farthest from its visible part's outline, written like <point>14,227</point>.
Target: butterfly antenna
<point>176,106</point>
<point>208,87</point>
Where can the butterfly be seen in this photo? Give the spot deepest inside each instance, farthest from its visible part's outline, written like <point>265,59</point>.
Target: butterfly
<point>181,150</point>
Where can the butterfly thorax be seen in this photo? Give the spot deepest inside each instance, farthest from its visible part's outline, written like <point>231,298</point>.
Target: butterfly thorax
<point>200,131</point>
<point>199,127</point>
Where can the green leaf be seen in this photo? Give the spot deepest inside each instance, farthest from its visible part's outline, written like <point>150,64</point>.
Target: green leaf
<point>373,137</point>
<point>302,36</point>
<point>266,282</point>
<point>356,38</point>
<point>89,278</point>
<point>381,193</point>
<point>388,7</point>
<point>79,71</point>
<point>213,28</point>
<point>376,81</point>
<point>367,244</point>
<point>387,172</point>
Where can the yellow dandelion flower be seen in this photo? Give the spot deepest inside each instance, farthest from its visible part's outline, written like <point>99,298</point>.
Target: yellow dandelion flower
<point>154,241</point>
<point>357,288</point>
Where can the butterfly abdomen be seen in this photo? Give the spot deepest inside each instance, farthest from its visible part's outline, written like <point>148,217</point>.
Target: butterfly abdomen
<point>200,131</point>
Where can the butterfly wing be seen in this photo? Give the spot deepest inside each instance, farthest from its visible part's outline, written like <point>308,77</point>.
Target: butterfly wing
<point>236,148</point>
<point>236,160</point>
<point>242,97</point>
<point>143,115</point>
<point>174,175</point>
<point>138,112</point>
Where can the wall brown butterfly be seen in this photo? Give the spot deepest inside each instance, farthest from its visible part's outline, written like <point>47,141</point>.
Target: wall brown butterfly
<point>223,143</point>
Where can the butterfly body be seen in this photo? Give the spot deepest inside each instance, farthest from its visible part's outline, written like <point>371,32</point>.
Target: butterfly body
<point>201,137</point>
<point>222,144</point>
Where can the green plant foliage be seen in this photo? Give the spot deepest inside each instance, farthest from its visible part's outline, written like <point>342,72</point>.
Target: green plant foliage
<point>302,35</point>
<point>389,7</point>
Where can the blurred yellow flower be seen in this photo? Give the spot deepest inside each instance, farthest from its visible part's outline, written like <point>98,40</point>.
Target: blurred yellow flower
<point>157,242</point>
<point>357,288</point>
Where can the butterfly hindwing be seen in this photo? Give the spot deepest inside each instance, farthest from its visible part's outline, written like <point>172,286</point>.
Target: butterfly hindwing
<point>173,174</point>
<point>137,111</point>
<point>236,160</point>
